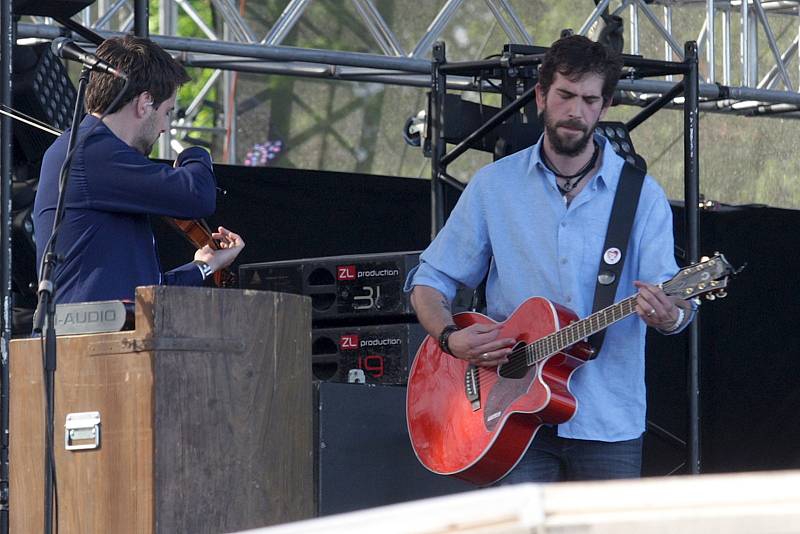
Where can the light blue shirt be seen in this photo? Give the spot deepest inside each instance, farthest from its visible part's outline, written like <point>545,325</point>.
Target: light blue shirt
<point>512,213</point>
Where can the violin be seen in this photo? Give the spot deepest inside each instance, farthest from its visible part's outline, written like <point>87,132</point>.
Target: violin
<point>198,233</point>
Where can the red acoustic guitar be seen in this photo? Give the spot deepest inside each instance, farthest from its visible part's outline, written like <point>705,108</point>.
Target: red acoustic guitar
<point>475,423</point>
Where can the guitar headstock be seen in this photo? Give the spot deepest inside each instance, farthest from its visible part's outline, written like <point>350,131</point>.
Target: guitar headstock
<point>707,277</point>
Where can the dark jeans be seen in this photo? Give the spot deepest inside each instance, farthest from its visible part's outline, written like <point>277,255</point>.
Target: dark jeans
<point>554,459</point>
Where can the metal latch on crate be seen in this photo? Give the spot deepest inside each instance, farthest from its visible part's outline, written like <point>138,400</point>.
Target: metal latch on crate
<point>82,431</point>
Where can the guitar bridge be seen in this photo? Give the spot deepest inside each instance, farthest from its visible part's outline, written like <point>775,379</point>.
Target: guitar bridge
<point>472,387</point>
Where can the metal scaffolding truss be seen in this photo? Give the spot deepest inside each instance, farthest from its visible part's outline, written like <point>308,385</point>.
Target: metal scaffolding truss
<point>764,83</point>
<point>752,18</point>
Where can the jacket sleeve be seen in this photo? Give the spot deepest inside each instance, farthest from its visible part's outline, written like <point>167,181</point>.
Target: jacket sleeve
<point>111,176</point>
<point>185,275</point>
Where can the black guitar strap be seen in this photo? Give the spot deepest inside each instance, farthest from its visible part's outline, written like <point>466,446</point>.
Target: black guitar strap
<point>616,246</point>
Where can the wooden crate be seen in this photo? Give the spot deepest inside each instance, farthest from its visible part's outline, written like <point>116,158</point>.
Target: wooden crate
<point>205,409</point>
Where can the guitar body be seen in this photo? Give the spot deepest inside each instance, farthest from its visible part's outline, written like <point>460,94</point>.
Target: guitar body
<point>475,423</point>
<point>480,439</point>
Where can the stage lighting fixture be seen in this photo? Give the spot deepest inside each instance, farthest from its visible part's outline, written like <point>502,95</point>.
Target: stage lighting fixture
<point>620,140</point>
<point>42,90</point>
<point>414,128</point>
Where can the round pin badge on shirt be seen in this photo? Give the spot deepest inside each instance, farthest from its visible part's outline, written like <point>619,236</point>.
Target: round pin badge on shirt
<point>612,256</point>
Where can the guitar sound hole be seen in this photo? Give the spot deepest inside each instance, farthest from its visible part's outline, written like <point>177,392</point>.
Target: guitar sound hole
<point>517,366</point>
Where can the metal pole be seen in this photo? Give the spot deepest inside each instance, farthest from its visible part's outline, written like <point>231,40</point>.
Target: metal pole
<point>752,48</point>
<point>436,27</point>
<point>726,47</point>
<point>744,44</point>
<point>141,18</point>
<point>167,17</point>
<point>634,9</point>
<point>773,45</point>
<point>256,51</point>
<point>438,94</point>
<point>6,52</point>
<point>691,160</point>
<point>229,98</point>
<point>654,106</point>
<point>668,28</point>
<point>493,122</point>
<point>598,10</point>
<point>712,71</point>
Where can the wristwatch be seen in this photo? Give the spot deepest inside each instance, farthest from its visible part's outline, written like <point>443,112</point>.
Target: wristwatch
<point>205,269</point>
<point>444,337</point>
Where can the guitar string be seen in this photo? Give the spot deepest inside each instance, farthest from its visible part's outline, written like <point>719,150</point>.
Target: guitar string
<point>521,363</point>
<point>552,344</point>
<point>518,365</point>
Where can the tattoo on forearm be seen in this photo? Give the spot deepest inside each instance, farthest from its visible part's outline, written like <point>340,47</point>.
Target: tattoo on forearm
<point>445,304</point>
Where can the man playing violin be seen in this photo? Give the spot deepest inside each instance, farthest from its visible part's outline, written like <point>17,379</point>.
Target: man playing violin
<point>105,244</point>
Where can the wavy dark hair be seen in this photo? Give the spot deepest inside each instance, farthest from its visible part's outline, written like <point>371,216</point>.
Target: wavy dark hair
<point>576,55</point>
<point>148,66</point>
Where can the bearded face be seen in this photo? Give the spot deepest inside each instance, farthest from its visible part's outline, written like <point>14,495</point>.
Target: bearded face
<point>571,109</point>
<point>156,121</point>
<point>568,137</point>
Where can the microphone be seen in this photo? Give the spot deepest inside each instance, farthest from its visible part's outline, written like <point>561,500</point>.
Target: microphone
<point>67,49</point>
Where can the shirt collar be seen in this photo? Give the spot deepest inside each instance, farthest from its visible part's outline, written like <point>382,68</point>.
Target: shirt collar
<point>610,164</point>
<point>90,120</point>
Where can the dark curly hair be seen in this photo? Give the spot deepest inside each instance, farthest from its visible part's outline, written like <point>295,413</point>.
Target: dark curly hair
<point>148,66</point>
<point>575,56</point>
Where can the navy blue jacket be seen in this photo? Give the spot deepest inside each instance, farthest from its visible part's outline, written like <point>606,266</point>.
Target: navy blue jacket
<point>105,243</point>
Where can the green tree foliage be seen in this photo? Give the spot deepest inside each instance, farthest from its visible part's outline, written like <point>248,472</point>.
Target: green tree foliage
<point>356,126</point>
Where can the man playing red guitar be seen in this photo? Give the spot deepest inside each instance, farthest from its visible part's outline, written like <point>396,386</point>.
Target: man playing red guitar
<point>537,220</point>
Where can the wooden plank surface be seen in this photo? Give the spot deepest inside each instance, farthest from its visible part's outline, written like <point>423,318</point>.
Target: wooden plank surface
<point>244,419</point>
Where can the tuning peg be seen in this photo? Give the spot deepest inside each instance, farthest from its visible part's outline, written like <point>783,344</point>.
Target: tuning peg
<point>704,259</point>
<point>721,294</point>
<point>710,296</point>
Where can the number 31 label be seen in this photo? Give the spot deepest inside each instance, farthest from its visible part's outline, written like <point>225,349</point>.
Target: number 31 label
<point>368,300</point>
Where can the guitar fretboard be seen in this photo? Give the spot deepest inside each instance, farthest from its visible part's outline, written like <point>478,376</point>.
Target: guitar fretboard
<point>574,332</point>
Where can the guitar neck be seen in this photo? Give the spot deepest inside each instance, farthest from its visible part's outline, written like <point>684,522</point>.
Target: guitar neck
<point>579,330</point>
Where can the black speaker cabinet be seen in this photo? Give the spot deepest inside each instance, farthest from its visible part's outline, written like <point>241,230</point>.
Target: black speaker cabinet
<point>341,287</point>
<point>372,354</point>
<point>353,289</point>
<point>365,458</point>
<point>749,397</point>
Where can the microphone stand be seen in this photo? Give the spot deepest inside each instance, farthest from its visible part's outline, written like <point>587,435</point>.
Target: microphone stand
<point>45,315</point>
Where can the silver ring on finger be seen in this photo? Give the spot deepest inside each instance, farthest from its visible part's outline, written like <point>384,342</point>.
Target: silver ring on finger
<point>485,356</point>
<point>651,313</point>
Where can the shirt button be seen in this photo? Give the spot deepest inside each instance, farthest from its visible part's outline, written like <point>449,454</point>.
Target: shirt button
<point>563,225</point>
<point>563,261</point>
<point>568,299</point>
